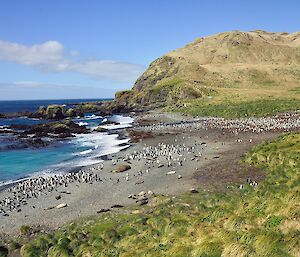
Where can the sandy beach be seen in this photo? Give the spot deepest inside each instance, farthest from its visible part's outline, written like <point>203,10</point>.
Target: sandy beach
<point>171,161</point>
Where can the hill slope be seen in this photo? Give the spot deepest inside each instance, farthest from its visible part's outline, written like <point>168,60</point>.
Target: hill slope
<point>236,66</point>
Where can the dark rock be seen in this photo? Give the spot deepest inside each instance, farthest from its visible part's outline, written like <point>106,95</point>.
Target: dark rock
<point>37,142</point>
<point>57,129</point>
<point>101,130</point>
<point>3,250</point>
<point>137,136</point>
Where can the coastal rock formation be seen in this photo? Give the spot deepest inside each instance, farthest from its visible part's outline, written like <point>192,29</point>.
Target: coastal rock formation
<point>227,60</point>
<point>58,112</point>
<point>56,129</point>
<point>54,111</point>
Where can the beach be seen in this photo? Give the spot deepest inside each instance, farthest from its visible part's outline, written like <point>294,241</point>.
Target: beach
<point>169,161</point>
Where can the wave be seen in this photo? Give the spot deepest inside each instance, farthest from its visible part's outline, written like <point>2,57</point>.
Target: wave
<point>82,123</point>
<point>92,117</point>
<point>86,149</point>
<point>86,152</point>
<point>123,122</point>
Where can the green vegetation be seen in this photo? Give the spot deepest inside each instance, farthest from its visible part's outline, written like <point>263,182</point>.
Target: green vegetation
<point>295,90</point>
<point>85,107</point>
<point>25,230</point>
<point>241,72</point>
<point>230,109</point>
<point>259,221</point>
<point>119,94</point>
<point>166,86</point>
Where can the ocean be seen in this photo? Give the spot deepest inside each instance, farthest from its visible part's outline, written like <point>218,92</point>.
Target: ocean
<point>32,105</point>
<point>61,155</point>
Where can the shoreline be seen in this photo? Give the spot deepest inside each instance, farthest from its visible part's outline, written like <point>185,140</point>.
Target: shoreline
<point>197,160</point>
<point>114,135</point>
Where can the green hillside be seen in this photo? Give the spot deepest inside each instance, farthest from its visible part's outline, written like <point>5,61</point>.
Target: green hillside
<point>232,68</point>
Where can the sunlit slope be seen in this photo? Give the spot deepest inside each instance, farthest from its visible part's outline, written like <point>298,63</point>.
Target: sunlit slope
<point>232,66</point>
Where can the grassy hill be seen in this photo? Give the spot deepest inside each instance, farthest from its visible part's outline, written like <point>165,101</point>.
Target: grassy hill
<point>263,220</point>
<point>232,68</point>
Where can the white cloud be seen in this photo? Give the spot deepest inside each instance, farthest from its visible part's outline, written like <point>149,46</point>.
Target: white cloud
<point>48,53</point>
<point>51,57</point>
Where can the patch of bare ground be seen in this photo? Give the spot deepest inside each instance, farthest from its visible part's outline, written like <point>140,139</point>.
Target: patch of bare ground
<point>227,168</point>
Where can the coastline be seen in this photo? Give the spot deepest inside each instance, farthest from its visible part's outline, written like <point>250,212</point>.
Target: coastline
<point>76,151</point>
<point>201,167</point>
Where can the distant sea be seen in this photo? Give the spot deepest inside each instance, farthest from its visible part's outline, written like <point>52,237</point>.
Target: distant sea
<point>61,155</point>
<point>32,105</point>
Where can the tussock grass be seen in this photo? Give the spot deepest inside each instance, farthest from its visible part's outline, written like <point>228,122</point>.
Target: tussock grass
<point>261,221</point>
<point>237,109</point>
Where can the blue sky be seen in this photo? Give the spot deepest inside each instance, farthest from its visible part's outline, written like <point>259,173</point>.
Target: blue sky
<point>86,49</point>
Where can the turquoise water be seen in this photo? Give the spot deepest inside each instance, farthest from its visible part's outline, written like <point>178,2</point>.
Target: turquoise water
<point>16,164</point>
<point>60,156</point>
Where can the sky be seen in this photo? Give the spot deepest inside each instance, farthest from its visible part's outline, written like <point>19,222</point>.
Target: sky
<point>57,49</point>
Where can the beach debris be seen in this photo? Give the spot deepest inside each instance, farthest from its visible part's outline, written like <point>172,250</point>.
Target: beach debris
<point>103,210</point>
<point>171,172</point>
<point>194,190</point>
<point>122,168</point>
<point>62,205</point>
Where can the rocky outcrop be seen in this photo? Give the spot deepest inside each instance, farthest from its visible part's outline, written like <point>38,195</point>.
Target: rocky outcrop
<point>56,112</point>
<point>56,129</point>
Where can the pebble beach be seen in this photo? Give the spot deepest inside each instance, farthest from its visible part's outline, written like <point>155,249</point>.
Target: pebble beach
<point>181,155</point>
